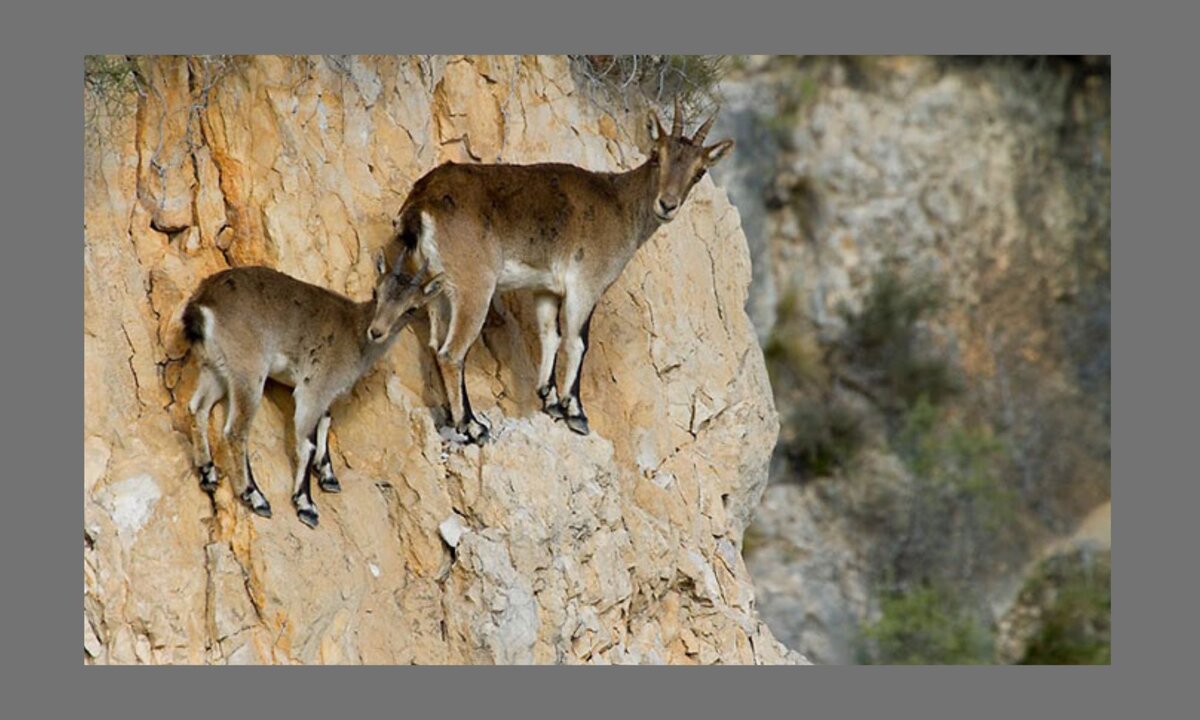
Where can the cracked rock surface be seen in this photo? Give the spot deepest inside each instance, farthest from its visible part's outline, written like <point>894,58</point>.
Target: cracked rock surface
<point>619,547</point>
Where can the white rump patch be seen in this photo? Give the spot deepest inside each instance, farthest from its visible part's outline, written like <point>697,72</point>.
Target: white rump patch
<point>210,321</point>
<point>427,245</point>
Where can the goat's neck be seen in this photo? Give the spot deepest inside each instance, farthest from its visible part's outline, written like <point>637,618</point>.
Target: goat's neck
<point>368,352</point>
<point>639,188</point>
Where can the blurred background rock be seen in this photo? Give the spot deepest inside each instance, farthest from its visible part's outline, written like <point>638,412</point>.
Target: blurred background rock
<point>931,249</point>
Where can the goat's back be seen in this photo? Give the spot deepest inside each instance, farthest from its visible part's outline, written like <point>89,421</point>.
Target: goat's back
<point>532,210</point>
<point>261,305</point>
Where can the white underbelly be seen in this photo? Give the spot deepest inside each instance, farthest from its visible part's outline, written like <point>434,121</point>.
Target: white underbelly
<point>516,275</point>
<point>281,370</point>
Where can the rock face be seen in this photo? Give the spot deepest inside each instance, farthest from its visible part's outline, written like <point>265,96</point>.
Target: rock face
<point>620,547</point>
<point>991,177</point>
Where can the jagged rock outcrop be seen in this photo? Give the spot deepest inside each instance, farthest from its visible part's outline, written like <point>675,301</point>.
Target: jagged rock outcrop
<point>541,547</point>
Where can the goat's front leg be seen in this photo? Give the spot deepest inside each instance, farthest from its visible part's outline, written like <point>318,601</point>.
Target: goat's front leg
<point>577,310</point>
<point>321,464</point>
<point>547,318</point>
<point>308,415</point>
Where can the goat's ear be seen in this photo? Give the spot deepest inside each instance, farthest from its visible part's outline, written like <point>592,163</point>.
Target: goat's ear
<point>713,153</point>
<point>432,287</point>
<point>380,263</point>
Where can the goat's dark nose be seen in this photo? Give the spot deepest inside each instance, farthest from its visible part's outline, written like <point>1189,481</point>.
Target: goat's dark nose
<point>374,334</point>
<point>668,205</point>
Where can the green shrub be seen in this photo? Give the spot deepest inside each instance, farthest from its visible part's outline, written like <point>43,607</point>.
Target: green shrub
<point>884,343</point>
<point>822,433</point>
<point>958,511</point>
<point>928,625</point>
<point>1076,626</point>
<point>821,437</point>
<point>962,462</point>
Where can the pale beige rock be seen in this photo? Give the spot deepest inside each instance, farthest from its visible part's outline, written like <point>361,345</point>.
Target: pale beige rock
<point>617,547</point>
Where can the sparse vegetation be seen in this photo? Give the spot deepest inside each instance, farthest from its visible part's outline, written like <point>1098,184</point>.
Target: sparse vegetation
<point>823,437</point>
<point>1076,624</point>
<point>959,512</point>
<point>822,433</point>
<point>886,346</point>
<point>949,524</point>
<point>929,625</point>
<point>883,354</point>
<point>657,79</point>
<point>111,87</point>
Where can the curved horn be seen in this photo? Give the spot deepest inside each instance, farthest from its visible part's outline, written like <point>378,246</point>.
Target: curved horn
<point>677,125</point>
<point>703,131</point>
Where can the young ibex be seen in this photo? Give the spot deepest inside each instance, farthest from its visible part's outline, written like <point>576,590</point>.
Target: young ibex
<point>564,232</point>
<point>251,323</point>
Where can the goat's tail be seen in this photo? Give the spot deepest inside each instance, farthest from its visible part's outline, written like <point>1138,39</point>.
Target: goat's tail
<point>194,325</point>
<point>408,228</point>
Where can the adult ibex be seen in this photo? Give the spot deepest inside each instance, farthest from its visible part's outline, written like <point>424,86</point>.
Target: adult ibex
<point>251,323</point>
<point>561,231</point>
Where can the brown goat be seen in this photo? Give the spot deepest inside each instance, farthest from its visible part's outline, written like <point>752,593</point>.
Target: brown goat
<point>251,323</point>
<point>561,231</point>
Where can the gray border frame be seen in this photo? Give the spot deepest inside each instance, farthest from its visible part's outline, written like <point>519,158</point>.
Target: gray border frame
<point>1152,427</point>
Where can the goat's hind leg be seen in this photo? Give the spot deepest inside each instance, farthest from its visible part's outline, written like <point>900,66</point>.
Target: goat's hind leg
<point>244,399</point>
<point>547,318</point>
<point>209,391</point>
<point>322,466</point>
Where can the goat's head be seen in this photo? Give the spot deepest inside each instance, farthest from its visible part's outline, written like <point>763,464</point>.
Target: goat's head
<point>680,161</point>
<point>397,298</point>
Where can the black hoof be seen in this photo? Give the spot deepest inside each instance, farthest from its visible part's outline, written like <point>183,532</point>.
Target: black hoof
<point>308,516</point>
<point>329,484</point>
<point>555,411</point>
<point>579,424</point>
<point>208,478</point>
<point>258,504</point>
<point>475,432</point>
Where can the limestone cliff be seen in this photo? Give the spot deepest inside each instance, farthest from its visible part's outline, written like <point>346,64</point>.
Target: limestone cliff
<point>541,547</point>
